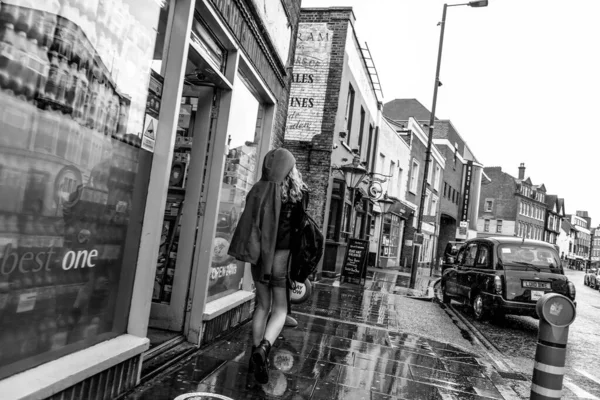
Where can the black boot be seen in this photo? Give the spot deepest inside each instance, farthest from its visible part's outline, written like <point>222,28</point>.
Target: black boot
<point>260,357</point>
<point>251,364</point>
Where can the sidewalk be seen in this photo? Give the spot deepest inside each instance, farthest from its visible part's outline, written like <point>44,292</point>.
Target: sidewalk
<point>351,343</point>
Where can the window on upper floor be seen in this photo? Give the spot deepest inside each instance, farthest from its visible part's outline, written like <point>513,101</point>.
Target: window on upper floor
<point>430,171</point>
<point>499,226</point>
<point>369,146</point>
<point>436,177</point>
<point>399,180</point>
<point>361,131</point>
<point>349,112</point>
<point>414,176</point>
<point>426,206</point>
<point>381,163</point>
<point>445,188</point>
<point>489,205</point>
<point>434,205</point>
<point>486,225</point>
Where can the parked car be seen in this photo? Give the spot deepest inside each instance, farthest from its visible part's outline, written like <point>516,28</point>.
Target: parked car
<point>592,278</point>
<point>504,275</point>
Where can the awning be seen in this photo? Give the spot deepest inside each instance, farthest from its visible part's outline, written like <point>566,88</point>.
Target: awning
<point>401,209</point>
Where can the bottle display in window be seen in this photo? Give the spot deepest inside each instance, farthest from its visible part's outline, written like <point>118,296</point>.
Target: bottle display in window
<point>72,93</point>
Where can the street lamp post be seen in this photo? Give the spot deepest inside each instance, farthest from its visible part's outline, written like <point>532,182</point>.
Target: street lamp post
<point>483,3</point>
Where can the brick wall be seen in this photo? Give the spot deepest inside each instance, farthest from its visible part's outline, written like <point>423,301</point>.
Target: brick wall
<point>501,190</point>
<point>314,156</point>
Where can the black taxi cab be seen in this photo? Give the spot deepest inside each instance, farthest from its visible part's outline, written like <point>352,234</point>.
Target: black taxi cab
<point>504,275</point>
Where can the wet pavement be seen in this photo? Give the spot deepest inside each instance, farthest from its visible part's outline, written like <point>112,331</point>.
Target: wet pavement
<point>351,343</point>
<point>515,338</point>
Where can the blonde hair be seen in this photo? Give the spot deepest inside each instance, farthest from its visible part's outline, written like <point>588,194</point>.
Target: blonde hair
<point>292,187</point>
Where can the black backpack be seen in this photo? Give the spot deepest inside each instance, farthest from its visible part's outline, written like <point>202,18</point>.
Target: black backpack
<point>307,248</point>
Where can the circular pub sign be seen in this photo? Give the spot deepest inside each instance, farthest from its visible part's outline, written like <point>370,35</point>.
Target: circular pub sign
<point>556,309</point>
<point>202,396</point>
<point>375,190</point>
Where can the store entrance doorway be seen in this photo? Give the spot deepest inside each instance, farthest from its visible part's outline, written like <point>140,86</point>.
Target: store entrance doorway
<point>186,199</point>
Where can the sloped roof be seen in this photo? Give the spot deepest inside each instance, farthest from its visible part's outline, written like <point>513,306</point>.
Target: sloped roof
<point>551,201</point>
<point>566,225</point>
<point>403,109</point>
<point>561,205</point>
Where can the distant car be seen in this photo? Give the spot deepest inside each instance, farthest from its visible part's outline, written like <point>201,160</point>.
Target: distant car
<point>592,278</point>
<point>504,275</point>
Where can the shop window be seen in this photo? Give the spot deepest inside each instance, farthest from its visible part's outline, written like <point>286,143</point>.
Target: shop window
<point>335,210</point>
<point>72,170</point>
<point>390,237</point>
<point>499,226</point>
<point>486,225</point>
<point>226,273</point>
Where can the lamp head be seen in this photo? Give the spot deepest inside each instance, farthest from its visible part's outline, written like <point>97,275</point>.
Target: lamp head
<point>481,3</point>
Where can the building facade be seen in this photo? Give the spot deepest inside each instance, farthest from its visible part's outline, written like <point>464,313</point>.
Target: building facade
<point>333,120</point>
<point>565,242</point>
<point>511,206</point>
<point>582,242</point>
<point>421,250</point>
<point>595,258</point>
<point>169,108</point>
<point>392,173</point>
<point>555,213</point>
<point>462,175</point>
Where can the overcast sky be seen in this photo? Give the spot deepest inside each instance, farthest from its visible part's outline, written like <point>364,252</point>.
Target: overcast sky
<point>521,81</point>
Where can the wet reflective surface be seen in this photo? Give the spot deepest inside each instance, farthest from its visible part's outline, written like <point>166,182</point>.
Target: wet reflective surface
<point>516,338</point>
<point>350,344</point>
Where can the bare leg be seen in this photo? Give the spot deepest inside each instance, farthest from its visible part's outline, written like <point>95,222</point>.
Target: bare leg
<point>261,312</point>
<point>278,313</point>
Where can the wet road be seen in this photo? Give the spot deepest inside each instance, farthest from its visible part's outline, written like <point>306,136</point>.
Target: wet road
<point>351,343</point>
<point>516,339</point>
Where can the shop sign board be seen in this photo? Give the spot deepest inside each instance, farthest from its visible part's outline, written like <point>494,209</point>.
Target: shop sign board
<point>354,268</point>
<point>310,75</point>
<point>467,191</point>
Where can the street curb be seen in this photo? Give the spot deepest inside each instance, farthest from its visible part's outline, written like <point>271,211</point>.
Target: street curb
<point>490,350</point>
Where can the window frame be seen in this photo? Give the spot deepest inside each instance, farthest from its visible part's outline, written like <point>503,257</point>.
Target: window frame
<point>414,176</point>
<point>349,112</point>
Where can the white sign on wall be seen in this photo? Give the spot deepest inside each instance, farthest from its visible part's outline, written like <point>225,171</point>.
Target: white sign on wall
<point>309,82</point>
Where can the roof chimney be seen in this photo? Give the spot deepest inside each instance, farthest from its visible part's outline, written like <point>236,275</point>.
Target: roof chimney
<point>522,171</point>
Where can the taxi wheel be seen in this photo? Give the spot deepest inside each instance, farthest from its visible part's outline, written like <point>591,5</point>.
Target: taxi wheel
<point>480,312</point>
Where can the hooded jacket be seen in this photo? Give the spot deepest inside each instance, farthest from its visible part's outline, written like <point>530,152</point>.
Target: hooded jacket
<point>255,236</point>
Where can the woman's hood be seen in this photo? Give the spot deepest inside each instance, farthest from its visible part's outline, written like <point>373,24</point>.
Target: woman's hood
<point>277,165</point>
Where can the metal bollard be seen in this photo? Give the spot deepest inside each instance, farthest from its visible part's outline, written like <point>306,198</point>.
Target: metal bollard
<point>556,313</point>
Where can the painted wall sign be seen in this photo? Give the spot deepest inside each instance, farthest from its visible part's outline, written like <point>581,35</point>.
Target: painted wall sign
<point>310,74</point>
<point>467,191</point>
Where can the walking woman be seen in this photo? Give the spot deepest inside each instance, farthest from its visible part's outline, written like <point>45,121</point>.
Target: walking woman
<point>262,238</point>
